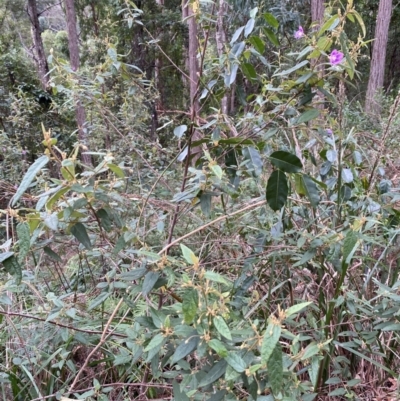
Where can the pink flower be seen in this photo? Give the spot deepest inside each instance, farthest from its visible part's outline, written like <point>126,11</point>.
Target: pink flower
<point>336,57</point>
<point>299,33</point>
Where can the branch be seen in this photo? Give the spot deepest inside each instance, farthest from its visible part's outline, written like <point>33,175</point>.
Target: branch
<point>226,216</point>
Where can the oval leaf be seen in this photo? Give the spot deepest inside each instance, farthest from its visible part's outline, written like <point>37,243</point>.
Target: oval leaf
<point>310,189</point>
<point>79,232</point>
<point>308,116</point>
<point>190,304</point>
<point>214,374</point>
<point>189,256</point>
<point>287,162</point>
<point>254,162</point>
<point>149,282</point>
<point>277,190</point>
<point>222,327</point>
<point>185,348</point>
<point>271,338</point>
<point>24,240</point>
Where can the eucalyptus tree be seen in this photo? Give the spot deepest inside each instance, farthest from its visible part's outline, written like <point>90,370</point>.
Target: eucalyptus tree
<point>377,70</point>
<point>40,56</point>
<point>73,42</point>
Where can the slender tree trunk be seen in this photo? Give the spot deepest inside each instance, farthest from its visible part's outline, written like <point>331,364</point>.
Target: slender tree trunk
<point>39,54</point>
<point>73,45</point>
<point>317,11</point>
<point>193,65</point>
<point>317,16</point>
<point>220,38</point>
<point>377,71</point>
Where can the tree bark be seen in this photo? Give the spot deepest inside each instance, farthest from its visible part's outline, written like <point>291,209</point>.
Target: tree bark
<point>377,69</point>
<point>39,54</point>
<point>317,11</point>
<point>193,65</point>
<point>220,38</point>
<point>317,16</point>
<point>73,45</point>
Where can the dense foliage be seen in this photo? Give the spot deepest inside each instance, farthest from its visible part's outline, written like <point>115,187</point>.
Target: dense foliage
<point>264,268</point>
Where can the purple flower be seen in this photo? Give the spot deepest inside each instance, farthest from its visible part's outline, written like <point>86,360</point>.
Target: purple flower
<point>299,33</point>
<point>329,132</point>
<point>336,57</point>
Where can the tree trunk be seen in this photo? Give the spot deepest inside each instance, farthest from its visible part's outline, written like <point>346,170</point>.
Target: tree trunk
<point>39,54</point>
<point>73,45</point>
<point>377,70</point>
<point>317,11</point>
<point>317,16</point>
<point>193,66</point>
<point>220,38</point>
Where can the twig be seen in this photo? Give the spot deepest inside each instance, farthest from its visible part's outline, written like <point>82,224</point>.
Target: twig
<point>58,324</point>
<point>101,342</point>
<point>226,216</point>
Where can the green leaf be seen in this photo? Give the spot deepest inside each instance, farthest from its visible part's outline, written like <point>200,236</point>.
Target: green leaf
<point>178,394</point>
<point>311,350</point>
<point>12,266</point>
<point>308,116</point>
<point>52,254</point>
<point>119,245</point>
<point>78,230</point>
<point>270,34</point>
<point>343,42</point>
<point>217,170</point>
<point>254,162</point>
<point>310,189</point>
<point>236,362</point>
<point>24,240</point>
<point>98,300</point>
<point>248,29</point>
<point>155,342</point>
<point>350,245</point>
<point>218,347</point>
<point>185,348</point>
<point>217,278</point>
<point>296,308</point>
<point>275,369</point>
<point>258,44</point>
<point>105,220</point>
<point>29,177</point>
<point>116,170</point>
<point>277,190</point>
<point>331,24</point>
<point>51,221</point>
<point>222,327</point>
<point>205,203</point>
<point>189,256</point>
<point>149,282</point>
<point>271,338</point>
<point>249,71</point>
<point>214,374</point>
<point>190,305</point>
<point>290,70</point>
<point>271,20</point>
<point>56,197</point>
<point>287,162</point>
<point>5,255</point>
<point>360,21</point>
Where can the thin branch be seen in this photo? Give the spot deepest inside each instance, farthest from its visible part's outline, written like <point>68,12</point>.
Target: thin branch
<point>226,216</point>
<point>8,314</point>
